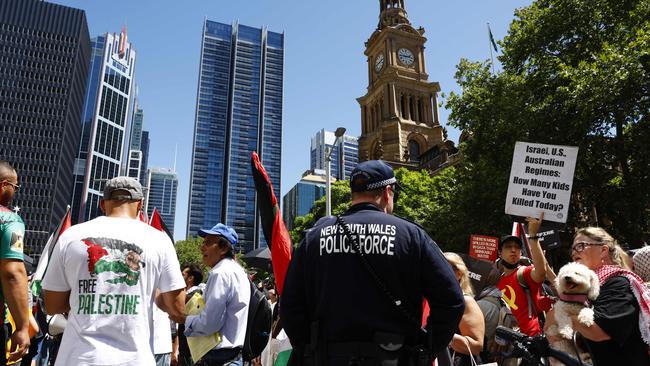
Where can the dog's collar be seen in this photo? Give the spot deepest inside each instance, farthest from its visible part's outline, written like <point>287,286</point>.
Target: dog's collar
<point>576,298</point>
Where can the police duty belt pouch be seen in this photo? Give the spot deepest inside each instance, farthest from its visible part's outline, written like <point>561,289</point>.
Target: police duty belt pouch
<point>390,347</point>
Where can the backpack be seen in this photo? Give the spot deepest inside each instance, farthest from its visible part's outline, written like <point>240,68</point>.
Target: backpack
<point>258,328</point>
<point>491,348</point>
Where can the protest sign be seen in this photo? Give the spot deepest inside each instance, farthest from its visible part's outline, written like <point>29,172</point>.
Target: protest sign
<point>481,273</point>
<point>483,247</point>
<point>541,179</point>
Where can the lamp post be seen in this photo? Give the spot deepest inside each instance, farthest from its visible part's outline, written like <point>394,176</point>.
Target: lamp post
<point>328,172</point>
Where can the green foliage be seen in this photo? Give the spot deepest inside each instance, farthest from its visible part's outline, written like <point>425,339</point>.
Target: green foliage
<point>575,72</point>
<point>188,251</point>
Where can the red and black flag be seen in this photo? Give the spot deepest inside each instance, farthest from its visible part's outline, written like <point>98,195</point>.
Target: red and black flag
<point>157,222</point>
<point>275,231</point>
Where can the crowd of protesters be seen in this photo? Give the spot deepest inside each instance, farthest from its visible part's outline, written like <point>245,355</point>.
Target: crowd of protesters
<point>126,297</point>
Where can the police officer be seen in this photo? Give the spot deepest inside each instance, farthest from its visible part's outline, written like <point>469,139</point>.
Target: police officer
<point>335,311</point>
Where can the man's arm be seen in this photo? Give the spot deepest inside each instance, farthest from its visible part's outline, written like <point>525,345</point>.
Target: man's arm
<point>213,316</point>
<point>56,302</point>
<point>293,312</point>
<point>173,303</point>
<point>539,260</point>
<point>14,288</point>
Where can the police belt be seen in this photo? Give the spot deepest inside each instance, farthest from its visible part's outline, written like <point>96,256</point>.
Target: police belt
<point>361,349</point>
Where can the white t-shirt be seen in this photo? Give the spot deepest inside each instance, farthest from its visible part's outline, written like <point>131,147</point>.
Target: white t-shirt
<point>162,332</point>
<point>111,266</point>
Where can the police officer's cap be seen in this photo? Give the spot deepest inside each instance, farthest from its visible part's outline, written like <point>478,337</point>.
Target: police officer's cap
<point>370,175</point>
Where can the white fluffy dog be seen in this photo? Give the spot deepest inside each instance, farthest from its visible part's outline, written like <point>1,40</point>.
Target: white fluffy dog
<point>577,285</point>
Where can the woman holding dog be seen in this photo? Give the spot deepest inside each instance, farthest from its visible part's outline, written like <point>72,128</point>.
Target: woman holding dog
<point>620,334</point>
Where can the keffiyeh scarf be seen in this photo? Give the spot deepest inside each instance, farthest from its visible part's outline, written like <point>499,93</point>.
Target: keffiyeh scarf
<point>641,292</point>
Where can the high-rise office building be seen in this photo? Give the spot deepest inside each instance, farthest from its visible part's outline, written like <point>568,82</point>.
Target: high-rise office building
<point>345,155</point>
<point>105,121</point>
<point>134,168</point>
<point>144,147</point>
<point>44,61</point>
<point>301,198</point>
<point>238,110</point>
<point>162,186</point>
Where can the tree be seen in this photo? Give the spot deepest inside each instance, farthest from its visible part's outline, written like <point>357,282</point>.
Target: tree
<point>575,72</point>
<point>189,252</point>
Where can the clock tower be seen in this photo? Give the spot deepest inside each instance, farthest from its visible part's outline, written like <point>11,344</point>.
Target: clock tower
<point>399,113</point>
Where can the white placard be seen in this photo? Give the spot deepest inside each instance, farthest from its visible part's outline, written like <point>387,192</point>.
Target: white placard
<point>541,179</point>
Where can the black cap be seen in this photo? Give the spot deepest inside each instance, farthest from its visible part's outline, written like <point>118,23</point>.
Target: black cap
<point>506,238</point>
<point>370,175</point>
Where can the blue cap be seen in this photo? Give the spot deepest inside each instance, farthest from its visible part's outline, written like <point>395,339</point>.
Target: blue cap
<point>370,175</point>
<point>221,230</point>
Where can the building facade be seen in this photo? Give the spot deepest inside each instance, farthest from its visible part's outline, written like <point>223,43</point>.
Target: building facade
<point>162,188</point>
<point>134,167</point>
<point>44,62</point>
<point>345,155</point>
<point>144,146</point>
<point>105,121</point>
<point>399,113</point>
<point>238,110</point>
<point>301,198</point>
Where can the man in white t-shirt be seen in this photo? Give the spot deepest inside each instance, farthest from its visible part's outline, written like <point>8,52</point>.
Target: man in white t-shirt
<point>106,274</point>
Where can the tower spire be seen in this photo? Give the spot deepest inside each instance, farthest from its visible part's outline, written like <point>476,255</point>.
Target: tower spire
<point>392,13</point>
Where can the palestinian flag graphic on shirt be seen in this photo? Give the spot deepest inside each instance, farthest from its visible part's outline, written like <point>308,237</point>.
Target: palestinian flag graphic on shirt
<point>114,256</point>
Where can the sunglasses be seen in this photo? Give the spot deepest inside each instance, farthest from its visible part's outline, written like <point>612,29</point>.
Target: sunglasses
<point>16,186</point>
<point>580,246</point>
<point>396,191</point>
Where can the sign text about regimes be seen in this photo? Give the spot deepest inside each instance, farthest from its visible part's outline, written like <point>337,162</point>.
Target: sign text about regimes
<point>541,179</point>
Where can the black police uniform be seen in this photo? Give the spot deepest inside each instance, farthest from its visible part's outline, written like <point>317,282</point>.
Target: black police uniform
<point>328,294</point>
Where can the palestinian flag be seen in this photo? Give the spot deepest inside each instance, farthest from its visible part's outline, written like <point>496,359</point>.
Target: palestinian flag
<point>120,259</point>
<point>275,231</point>
<point>44,260</point>
<point>157,223</point>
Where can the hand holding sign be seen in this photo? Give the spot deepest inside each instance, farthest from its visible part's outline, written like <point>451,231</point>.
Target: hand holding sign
<point>534,224</point>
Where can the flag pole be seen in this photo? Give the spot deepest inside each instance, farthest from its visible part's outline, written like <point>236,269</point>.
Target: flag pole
<point>490,46</point>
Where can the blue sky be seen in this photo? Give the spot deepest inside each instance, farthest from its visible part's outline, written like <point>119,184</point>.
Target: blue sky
<point>325,69</point>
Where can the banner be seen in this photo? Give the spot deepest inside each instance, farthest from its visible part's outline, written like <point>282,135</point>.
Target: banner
<point>541,179</point>
<point>483,247</point>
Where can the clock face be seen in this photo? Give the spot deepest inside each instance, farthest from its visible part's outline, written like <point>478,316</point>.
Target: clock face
<point>379,62</point>
<point>405,56</point>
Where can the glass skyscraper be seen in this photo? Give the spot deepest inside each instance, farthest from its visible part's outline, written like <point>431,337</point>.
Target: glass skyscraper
<point>44,58</point>
<point>301,198</point>
<point>238,110</point>
<point>104,123</point>
<point>134,168</point>
<point>162,186</point>
<point>345,155</point>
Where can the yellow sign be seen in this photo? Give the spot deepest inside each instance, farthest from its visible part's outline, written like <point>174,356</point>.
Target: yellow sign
<point>199,346</point>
